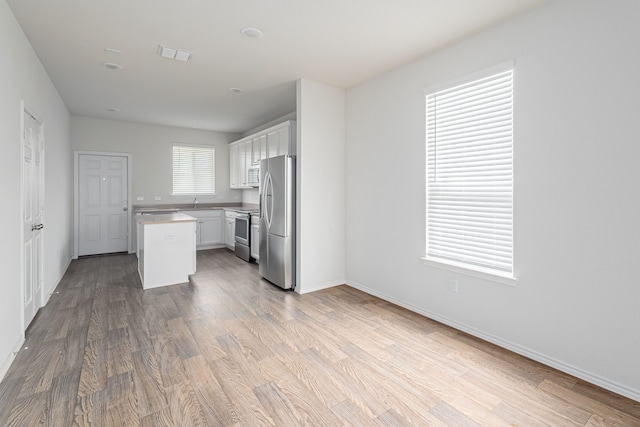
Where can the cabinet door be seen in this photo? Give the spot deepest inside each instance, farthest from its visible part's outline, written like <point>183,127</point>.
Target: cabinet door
<point>233,166</point>
<point>230,233</point>
<point>255,241</point>
<point>283,140</point>
<point>239,160</point>
<point>263,147</point>
<point>273,143</point>
<point>210,231</point>
<point>278,141</point>
<point>198,232</point>
<point>258,148</point>
<point>245,162</point>
<point>242,165</point>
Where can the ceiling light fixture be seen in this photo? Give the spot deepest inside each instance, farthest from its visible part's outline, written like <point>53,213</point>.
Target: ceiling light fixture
<point>113,109</point>
<point>178,55</point>
<point>112,66</point>
<point>112,51</point>
<point>235,90</point>
<point>252,33</point>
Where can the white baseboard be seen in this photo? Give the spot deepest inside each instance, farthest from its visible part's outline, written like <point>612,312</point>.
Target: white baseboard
<point>523,351</point>
<point>10,357</point>
<point>204,248</point>
<point>48,294</point>
<point>319,286</point>
<point>6,363</point>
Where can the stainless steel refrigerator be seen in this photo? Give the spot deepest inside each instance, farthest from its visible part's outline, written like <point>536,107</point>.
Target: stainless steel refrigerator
<point>277,220</point>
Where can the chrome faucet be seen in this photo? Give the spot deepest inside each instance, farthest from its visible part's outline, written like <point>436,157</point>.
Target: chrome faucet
<point>195,202</point>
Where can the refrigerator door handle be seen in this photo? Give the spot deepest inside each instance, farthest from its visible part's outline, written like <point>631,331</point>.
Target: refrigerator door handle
<point>267,197</point>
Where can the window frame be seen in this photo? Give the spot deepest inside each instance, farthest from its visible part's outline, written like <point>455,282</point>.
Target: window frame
<point>459,266</point>
<point>212,148</point>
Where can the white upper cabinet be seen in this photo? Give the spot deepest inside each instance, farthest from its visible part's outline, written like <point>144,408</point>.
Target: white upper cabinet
<point>259,149</point>
<point>233,165</point>
<point>249,151</point>
<point>244,155</point>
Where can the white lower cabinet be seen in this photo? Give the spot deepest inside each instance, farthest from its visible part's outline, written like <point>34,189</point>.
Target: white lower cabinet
<point>255,237</point>
<point>208,228</point>
<point>166,249</point>
<point>230,229</point>
<point>210,231</point>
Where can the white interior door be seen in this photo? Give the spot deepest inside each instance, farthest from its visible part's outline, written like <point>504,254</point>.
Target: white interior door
<point>33,211</point>
<point>103,184</point>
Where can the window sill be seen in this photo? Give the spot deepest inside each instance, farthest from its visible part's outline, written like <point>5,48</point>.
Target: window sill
<point>467,271</point>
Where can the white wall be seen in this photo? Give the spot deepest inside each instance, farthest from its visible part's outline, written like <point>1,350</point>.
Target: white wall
<point>152,156</point>
<point>577,191</point>
<point>23,78</point>
<point>321,186</point>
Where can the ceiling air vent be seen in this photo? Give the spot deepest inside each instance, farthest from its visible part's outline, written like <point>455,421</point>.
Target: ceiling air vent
<point>178,55</point>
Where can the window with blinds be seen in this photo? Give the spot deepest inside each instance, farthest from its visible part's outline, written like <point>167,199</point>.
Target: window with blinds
<point>470,174</point>
<point>193,169</point>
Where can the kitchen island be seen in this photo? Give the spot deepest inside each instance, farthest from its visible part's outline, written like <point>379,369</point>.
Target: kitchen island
<point>166,249</point>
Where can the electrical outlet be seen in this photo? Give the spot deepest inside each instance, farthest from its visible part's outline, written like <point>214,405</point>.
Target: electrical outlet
<point>157,198</point>
<point>139,198</point>
<point>453,285</point>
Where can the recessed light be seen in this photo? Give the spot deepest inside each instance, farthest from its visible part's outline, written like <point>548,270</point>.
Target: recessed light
<point>235,90</point>
<point>113,109</point>
<point>112,51</point>
<point>252,33</point>
<point>112,66</point>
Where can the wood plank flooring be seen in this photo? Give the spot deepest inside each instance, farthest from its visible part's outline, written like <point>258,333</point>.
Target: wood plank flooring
<point>229,349</point>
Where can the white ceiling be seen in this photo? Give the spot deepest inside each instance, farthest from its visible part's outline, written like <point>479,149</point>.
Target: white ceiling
<point>337,42</point>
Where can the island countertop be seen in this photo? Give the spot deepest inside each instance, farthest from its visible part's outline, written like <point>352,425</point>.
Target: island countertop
<point>164,218</point>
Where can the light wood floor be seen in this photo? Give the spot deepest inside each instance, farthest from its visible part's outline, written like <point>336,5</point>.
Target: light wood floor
<point>230,349</point>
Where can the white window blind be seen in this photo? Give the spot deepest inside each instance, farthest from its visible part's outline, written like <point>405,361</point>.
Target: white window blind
<point>193,169</point>
<point>470,174</point>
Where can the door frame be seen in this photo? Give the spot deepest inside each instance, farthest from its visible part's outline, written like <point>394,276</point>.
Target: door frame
<point>39,302</point>
<point>76,186</point>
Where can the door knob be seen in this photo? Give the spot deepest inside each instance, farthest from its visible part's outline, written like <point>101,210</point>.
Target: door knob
<point>125,208</point>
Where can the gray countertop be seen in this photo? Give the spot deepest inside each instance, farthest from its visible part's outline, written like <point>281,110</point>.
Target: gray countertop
<point>165,219</point>
<point>189,207</point>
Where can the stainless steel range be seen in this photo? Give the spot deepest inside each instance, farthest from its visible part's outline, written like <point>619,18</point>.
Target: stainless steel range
<point>243,236</point>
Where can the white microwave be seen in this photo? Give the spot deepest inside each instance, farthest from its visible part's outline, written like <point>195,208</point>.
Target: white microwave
<point>253,176</point>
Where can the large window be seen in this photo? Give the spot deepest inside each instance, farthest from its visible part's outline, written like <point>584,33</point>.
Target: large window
<point>470,173</point>
<point>193,169</point>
